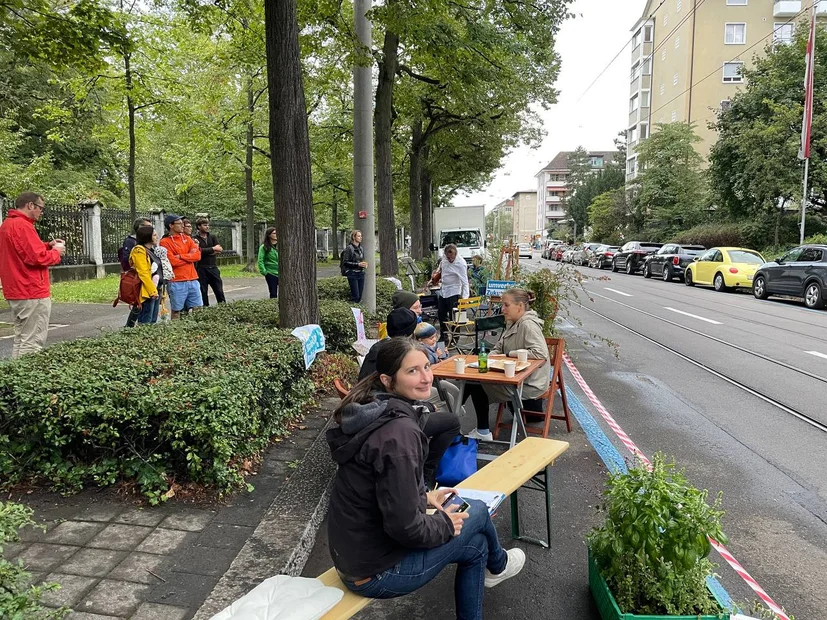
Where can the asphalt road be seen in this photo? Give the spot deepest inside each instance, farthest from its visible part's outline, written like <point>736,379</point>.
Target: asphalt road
<point>734,388</point>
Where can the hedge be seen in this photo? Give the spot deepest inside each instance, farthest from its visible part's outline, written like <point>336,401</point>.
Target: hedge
<point>712,235</point>
<point>151,404</point>
<point>337,288</point>
<point>336,319</point>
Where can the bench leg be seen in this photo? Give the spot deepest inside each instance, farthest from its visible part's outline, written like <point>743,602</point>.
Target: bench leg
<point>515,510</point>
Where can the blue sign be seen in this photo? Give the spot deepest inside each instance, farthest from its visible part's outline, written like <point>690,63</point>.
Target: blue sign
<point>312,340</point>
<point>496,288</point>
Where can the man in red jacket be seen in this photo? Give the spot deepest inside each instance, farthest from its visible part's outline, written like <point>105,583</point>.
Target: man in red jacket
<point>24,273</point>
<point>183,252</point>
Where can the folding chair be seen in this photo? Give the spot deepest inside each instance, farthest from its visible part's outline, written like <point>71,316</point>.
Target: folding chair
<point>458,331</point>
<point>555,353</point>
<point>484,324</point>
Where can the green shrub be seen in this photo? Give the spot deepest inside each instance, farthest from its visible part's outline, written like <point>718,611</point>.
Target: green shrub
<point>18,599</point>
<point>337,288</point>
<point>338,325</point>
<point>652,549</point>
<point>820,239</point>
<point>151,404</point>
<point>712,235</point>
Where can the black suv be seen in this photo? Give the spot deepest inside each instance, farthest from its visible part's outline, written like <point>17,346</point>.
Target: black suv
<point>631,255</point>
<point>801,272</point>
<point>670,261</point>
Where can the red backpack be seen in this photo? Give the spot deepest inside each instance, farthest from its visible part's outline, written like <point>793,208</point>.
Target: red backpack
<point>129,291</point>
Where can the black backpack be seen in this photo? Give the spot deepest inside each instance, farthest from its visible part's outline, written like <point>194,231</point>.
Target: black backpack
<point>342,268</point>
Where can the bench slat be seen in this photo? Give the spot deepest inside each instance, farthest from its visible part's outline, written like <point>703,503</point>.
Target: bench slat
<point>505,474</point>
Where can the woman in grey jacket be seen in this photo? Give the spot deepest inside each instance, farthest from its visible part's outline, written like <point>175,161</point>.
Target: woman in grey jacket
<point>523,330</point>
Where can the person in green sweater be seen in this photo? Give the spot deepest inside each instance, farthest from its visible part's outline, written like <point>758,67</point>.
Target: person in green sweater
<point>268,261</point>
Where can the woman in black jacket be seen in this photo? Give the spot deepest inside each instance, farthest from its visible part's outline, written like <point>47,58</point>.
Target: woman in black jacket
<point>383,542</point>
<point>353,266</point>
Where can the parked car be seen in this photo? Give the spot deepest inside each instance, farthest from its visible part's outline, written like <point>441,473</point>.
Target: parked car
<point>549,250</point>
<point>671,261</point>
<point>602,256</point>
<point>724,268</point>
<point>558,252</point>
<point>801,272</point>
<point>524,250</point>
<point>568,253</point>
<point>632,254</point>
<point>582,254</point>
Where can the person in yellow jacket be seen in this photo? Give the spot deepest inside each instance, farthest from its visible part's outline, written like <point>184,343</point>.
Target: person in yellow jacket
<point>148,267</point>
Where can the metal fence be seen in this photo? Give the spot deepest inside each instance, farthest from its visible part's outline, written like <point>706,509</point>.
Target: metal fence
<point>223,231</point>
<point>115,226</point>
<point>258,235</point>
<point>60,222</point>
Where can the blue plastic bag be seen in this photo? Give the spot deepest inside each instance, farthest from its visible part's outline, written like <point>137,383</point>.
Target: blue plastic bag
<point>458,462</point>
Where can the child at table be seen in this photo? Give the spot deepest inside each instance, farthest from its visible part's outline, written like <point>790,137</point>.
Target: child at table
<point>426,335</point>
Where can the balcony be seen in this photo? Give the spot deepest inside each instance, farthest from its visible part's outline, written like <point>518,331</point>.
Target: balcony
<point>787,8</point>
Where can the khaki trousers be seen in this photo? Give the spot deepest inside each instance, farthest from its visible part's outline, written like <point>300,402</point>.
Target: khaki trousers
<point>31,324</point>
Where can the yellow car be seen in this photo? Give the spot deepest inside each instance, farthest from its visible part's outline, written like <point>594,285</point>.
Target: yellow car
<point>724,268</point>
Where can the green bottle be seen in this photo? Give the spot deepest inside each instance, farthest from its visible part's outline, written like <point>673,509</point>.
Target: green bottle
<point>483,359</point>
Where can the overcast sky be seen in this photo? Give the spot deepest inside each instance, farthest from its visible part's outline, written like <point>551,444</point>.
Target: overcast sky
<point>586,44</point>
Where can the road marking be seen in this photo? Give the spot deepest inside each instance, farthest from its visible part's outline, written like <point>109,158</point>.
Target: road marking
<point>694,316</point>
<point>618,292</point>
<point>233,289</point>
<point>51,327</point>
<point>816,353</point>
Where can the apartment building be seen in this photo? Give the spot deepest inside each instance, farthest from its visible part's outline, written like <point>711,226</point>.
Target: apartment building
<point>687,57</point>
<point>524,215</point>
<point>553,185</point>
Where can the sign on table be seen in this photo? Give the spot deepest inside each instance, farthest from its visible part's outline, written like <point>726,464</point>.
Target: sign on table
<point>312,339</point>
<point>496,288</point>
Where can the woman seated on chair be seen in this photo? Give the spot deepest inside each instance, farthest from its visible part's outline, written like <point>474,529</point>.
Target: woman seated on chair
<point>383,542</point>
<point>523,330</point>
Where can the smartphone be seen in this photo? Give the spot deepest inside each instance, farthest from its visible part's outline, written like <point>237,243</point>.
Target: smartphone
<point>455,500</point>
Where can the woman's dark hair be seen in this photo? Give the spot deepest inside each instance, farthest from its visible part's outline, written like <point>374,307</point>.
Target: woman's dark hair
<point>388,362</point>
<point>144,235</point>
<point>268,245</point>
<point>141,221</point>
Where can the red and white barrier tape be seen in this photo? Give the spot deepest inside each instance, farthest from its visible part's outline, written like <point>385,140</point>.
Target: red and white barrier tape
<point>630,445</point>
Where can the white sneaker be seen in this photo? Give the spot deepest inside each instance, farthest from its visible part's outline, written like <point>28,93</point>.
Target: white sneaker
<point>479,436</point>
<point>516,561</point>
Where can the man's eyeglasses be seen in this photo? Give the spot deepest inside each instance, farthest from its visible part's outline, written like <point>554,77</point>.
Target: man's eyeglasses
<point>39,206</point>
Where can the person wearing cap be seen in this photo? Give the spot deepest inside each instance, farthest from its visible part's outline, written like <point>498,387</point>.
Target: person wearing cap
<point>411,301</point>
<point>427,335</point>
<point>183,253</point>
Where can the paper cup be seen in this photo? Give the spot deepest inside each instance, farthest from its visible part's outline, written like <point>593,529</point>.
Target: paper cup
<point>510,368</point>
<point>522,355</point>
<point>459,365</point>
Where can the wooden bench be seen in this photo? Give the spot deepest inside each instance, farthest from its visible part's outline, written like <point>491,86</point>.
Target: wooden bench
<point>526,464</point>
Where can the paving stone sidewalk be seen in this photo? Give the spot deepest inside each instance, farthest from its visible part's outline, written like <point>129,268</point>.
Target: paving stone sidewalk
<point>118,561</point>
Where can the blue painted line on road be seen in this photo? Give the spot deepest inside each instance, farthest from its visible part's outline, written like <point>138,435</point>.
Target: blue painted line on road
<point>615,462</point>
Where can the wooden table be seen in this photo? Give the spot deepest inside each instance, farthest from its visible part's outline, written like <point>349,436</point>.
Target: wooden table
<point>445,370</point>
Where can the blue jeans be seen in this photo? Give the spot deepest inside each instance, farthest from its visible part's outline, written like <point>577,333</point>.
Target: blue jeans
<point>356,279</point>
<point>149,311</point>
<point>475,549</point>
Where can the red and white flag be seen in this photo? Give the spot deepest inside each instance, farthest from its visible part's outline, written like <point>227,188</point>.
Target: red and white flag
<point>806,126</point>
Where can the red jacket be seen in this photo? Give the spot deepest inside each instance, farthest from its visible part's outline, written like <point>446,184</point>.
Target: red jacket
<point>24,259</point>
<point>183,252</point>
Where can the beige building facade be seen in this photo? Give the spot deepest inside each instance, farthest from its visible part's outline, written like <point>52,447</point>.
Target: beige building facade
<point>524,216</point>
<point>687,57</point>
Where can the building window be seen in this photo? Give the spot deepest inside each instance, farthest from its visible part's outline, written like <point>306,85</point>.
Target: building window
<point>662,89</point>
<point>635,71</point>
<point>636,40</point>
<point>647,34</point>
<point>663,54</point>
<point>646,69</point>
<point>631,165</point>
<point>644,99</point>
<point>782,33</point>
<point>631,135</point>
<point>735,34</point>
<point>675,80</point>
<point>644,131</point>
<point>674,116</point>
<point>633,104</point>
<point>677,42</point>
<point>736,2</point>
<point>732,72</point>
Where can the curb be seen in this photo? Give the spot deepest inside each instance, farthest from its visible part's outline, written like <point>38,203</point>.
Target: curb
<point>284,539</point>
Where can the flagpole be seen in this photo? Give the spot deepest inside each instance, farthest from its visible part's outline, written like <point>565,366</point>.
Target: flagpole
<point>804,199</point>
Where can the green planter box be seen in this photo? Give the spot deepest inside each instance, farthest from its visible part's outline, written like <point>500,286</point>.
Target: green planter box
<point>609,610</point>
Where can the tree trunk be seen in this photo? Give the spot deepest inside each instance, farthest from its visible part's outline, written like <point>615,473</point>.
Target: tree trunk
<point>250,207</point>
<point>383,122</point>
<point>335,225</point>
<point>130,109</point>
<point>414,190</point>
<point>427,193</point>
<point>290,162</point>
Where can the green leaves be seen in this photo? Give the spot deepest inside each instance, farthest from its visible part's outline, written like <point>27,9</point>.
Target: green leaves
<point>653,546</point>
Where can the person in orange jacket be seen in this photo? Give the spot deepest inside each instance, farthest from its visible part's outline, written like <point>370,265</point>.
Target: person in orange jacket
<point>24,273</point>
<point>183,252</point>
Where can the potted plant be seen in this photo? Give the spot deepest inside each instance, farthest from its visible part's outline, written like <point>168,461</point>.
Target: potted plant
<point>649,558</point>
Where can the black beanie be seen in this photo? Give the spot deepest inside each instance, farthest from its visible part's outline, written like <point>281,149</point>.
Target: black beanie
<point>404,299</point>
<point>401,322</point>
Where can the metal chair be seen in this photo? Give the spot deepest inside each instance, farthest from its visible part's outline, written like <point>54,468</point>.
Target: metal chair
<point>457,331</point>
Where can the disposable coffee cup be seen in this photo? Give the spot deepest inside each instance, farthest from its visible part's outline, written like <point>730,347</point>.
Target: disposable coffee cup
<point>459,365</point>
<point>522,355</point>
<point>510,368</point>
